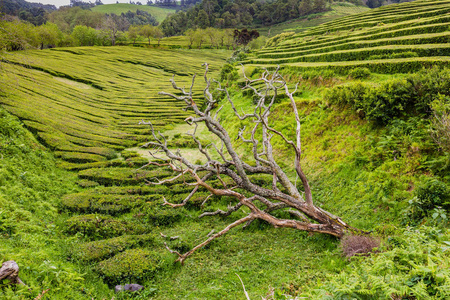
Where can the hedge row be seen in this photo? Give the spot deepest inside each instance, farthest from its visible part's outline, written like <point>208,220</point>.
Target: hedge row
<point>361,54</point>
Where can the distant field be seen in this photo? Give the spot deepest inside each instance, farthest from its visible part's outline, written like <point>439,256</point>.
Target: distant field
<point>158,12</point>
<point>338,10</point>
<point>398,38</point>
<point>84,102</point>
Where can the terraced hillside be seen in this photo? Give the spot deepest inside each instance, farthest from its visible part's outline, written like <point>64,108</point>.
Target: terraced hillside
<point>391,39</point>
<point>85,103</point>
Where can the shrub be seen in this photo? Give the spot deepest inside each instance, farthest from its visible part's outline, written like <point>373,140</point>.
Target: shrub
<point>228,73</point>
<point>89,202</point>
<point>274,41</point>
<point>415,266</point>
<point>359,73</point>
<point>159,215</point>
<point>433,193</point>
<point>101,249</point>
<point>99,226</point>
<point>128,154</point>
<point>258,43</point>
<point>87,183</point>
<point>441,122</point>
<point>132,264</point>
<point>394,98</point>
<point>431,199</point>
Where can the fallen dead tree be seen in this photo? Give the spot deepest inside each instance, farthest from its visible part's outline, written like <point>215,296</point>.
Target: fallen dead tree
<point>263,201</point>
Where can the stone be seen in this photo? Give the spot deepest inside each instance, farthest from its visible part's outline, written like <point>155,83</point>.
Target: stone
<point>133,287</point>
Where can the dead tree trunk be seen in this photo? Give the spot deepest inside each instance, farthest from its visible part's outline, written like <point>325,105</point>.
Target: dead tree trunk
<point>10,271</point>
<point>282,196</point>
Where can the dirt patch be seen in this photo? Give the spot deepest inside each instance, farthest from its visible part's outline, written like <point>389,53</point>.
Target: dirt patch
<point>73,83</point>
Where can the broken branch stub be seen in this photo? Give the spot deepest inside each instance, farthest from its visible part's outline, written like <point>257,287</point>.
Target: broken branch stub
<point>282,195</point>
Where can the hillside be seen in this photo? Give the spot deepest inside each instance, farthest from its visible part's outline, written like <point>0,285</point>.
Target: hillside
<point>372,149</point>
<point>159,13</point>
<point>337,10</point>
<point>391,39</point>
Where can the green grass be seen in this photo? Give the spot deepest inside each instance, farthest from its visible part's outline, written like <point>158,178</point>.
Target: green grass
<point>158,12</point>
<point>338,10</point>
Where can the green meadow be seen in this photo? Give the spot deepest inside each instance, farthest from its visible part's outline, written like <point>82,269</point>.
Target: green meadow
<point>159,13</point>
<point>78,217</point>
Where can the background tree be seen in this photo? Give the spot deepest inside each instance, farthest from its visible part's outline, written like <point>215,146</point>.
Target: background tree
<point>147,32</point>
<point>48,35</point>
<point>133,33</point>
<point>231,172</point>
<point>157,34</point>
<point>84,36</point>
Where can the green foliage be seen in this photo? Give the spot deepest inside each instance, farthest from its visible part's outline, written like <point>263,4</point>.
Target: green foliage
<point>359,73</point>
<point>158,215</point>
<point>131,265</point>
<point>433,193</point>
<point>228,73</point>
<point>110,204</point>
<point>101,226</point>
<point>414,266</point>
<point>102,249</point>
<point>274,41</point>
<point>394,98</point>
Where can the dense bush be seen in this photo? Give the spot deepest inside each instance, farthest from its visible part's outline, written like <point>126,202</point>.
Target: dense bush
<point>111,204</point>
<point>274,41</point>
<point>415,266</point>
<point>132,264</point>
<point>99,226</point>
<point>394,98</point>
<point>102,249</point>
<point>359,73</point>
<point>159,215</point>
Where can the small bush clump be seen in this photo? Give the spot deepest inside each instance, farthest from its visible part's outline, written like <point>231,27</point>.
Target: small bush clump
<point>100,226</point>
<point>96,250</point>
<point>359,73</point>
<point>132,264</point>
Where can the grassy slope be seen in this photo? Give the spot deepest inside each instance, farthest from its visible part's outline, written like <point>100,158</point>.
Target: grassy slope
<point>99,94</point>
<point>30,225</point>
<point>391,39</point>
<point>158,12</point>
<point>338,10</point>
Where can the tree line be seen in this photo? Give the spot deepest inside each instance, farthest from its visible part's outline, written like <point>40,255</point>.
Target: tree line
<point>239,13</point>
<point>18,35</point>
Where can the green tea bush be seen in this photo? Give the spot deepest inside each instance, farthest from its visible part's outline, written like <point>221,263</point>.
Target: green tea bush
<point>87,183</point>
<point>274,41</point>
<point>359,73</point>
<point>228,73</point>
<point>128,154</point>
<point>111,204</point>
<point>159,215</point>
<point>130,265</point>
<point>100,226</point>
<point>394,55</point>
<point>97,250</point>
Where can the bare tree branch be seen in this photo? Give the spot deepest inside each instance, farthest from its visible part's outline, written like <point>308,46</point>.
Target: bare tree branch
<point>261,200</point>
